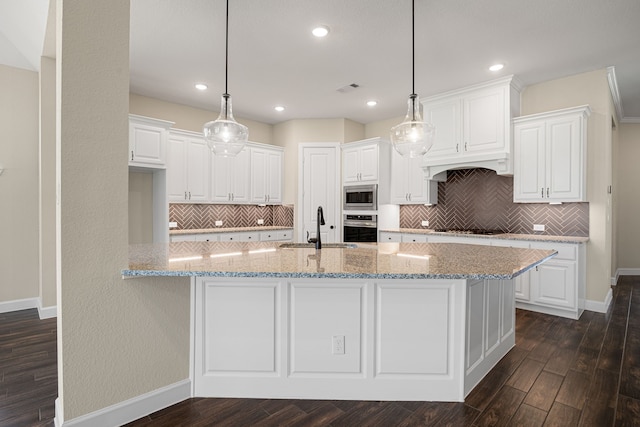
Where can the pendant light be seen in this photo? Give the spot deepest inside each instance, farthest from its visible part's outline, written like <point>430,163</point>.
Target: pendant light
<point>413,137</point>
<point>225,137</point>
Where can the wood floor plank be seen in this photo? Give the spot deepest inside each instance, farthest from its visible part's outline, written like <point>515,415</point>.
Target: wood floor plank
<point>600,406</point>
<point>526,374</point>
<point>392,414</point>
<point>528,416</point>
<point>483,393</point>
<point>503,406</point>
<point>573,391</point>
<point>544,391</point>
<point>282,418</point>
<point>561,361</point>
<point>627,412</point>
<point>562,416</point>
<point>586,360</point>
<point>510,362</point>
<point>319,417</point>
<point>612,346</point>
<point>630,377</point>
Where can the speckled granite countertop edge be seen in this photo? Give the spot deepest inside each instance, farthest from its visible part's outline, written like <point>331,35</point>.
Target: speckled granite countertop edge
<point>227,229</point>
<point>505,236</point>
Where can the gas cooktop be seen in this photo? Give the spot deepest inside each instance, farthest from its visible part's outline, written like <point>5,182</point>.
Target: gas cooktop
<point>468,231</point>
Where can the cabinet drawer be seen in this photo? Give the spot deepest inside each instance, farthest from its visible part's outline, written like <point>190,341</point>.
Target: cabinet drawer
<point>182,237</point>
<point>240,237</point>
<point>390,237</point>
<point>266,236</point>
<point>208,237</point>
<point>568,252</point>
<point>414,238</point>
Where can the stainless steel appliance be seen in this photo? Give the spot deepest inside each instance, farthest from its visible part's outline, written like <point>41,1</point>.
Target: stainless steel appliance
<point>360,228</point>
<point>360,197</point>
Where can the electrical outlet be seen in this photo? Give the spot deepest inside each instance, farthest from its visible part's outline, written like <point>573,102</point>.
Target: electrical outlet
<point>261,222</point>
<point>218,223</point>
<point>337,344</point>
<point>425,223</point>
<point>538,227</point>
<point>173,224</point>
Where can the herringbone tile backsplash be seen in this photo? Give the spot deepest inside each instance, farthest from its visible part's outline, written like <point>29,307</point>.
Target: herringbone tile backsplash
<point>479,198</point>
<point>196,216</point>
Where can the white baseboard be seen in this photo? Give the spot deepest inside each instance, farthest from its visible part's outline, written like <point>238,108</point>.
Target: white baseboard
<point>599,306</point>
<point>129,410</point>
<point>47,312</point>
<point>27,303</point>
<point>628,272</point>
<point>20,304</point>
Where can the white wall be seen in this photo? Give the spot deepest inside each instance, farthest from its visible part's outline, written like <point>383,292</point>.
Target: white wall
<point>117,339</point>
<point>293,132</point>
<point>140,207</point>
<point>628,196</point>
<point>19,184</point>
<point>193,119</point>
<point>587,88</point>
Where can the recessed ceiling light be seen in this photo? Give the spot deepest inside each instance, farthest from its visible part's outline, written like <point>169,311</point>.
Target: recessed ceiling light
<point>279,108</point>
<point>496,67</point>
<point>320,31</point>
<point>372,103</point>
<point>201,86</point>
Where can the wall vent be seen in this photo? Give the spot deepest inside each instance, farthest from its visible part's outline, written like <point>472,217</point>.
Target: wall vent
<point>348,88</point>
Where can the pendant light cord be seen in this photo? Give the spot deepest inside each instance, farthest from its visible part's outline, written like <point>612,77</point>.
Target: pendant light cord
<point>226,51</point>
<point>413,47</point>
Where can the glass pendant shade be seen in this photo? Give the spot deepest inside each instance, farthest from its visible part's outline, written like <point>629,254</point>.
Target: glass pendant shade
<point>225,137</point>
<point>413,137</point>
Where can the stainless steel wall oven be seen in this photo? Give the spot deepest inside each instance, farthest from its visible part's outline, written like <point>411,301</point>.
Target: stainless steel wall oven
<point>360,228</point>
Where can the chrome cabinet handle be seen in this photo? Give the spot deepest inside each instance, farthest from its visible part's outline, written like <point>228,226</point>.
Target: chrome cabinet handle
<point>131,154</point>
<point>547,192</point>
<point>189,195</point>
<point>542,192</point>
<point>465,146</point>
<point>457,151</point>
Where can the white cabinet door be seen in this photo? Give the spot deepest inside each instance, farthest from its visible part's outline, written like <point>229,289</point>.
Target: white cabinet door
<point>408,183</point>
<point>554,283</point>
<point>266,176</point>
<point>221,179</point>
<point>176,169</point>
<point>350,165</point>
<point>147,141</point>
<point>445,115</point>
<point>484,121</point>
<point>565,165</point>
<point>529,162</point>
<point>369,163</point>
<point>187,168</point>
<point>241,188</point>
<point>197,168</point>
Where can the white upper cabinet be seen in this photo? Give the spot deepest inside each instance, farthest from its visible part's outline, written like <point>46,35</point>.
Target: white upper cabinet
<point>187,167</point>
<point>550,156</point>
<point>473,127</point>
<point>230,178</point>
<point>148,141</point>
<point>408,182</point>
<point>368,162</point>
<point>266,175</point>
<point>360,162</point>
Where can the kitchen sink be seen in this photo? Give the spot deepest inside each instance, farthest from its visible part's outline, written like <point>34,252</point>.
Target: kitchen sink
<point>324,245</point>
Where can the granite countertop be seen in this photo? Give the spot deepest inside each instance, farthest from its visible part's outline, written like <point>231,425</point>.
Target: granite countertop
<point>228,229</point>
<point>381,261</point>
<point>505,236</point>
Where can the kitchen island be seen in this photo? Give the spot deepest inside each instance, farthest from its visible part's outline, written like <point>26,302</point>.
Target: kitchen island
<point>389,321</point>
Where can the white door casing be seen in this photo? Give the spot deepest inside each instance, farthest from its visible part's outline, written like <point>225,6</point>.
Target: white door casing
<point>319,185</point>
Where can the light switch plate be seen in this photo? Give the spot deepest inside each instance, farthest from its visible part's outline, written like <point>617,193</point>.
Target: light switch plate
<point>538,227</point>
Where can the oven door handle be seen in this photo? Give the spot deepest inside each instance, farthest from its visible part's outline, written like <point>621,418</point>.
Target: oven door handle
<point>360,224</point>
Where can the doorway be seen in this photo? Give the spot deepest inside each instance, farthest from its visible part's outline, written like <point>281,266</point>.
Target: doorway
<point>319,185</point>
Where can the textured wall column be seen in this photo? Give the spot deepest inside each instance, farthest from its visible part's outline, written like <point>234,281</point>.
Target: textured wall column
<point>117,339</point>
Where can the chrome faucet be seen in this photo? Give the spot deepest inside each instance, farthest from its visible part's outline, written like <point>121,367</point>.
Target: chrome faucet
<point>319,222</point>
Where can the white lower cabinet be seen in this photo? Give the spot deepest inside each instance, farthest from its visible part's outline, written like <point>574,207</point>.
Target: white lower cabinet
<point>522,282</point>
<point>236,236</point>
<point>386,236</point>
<point>414,238</point>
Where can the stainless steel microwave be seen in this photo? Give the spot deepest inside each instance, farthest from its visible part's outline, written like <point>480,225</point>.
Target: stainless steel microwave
<point>360,197</point>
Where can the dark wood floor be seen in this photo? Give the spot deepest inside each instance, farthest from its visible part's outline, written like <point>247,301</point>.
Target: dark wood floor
<point>28,369</point>
<point>561,373</point>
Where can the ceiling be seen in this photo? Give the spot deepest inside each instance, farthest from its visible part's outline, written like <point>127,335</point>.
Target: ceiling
<point>274,59</point>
